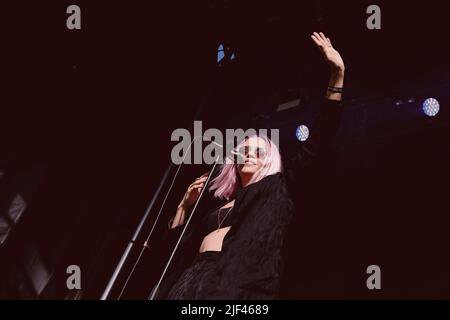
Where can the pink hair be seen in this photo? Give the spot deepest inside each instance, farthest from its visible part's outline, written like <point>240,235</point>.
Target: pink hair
<point>227,182</point>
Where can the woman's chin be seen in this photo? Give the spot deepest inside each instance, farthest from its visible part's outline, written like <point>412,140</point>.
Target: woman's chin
<point>249,170</point>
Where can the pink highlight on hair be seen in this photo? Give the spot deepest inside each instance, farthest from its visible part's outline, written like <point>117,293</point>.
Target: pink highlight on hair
<point>228,181</point>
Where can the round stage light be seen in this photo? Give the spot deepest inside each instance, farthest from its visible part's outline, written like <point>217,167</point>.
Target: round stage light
<point>431,107</point>
<point>302,133</point>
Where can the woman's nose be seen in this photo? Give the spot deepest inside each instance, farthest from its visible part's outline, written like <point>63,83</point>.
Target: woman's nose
<point>251,154</point>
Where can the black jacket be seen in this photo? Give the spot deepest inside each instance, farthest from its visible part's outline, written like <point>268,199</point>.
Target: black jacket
<point>251,264</point>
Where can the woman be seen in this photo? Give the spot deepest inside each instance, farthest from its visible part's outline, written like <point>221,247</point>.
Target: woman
<point>234,252</point>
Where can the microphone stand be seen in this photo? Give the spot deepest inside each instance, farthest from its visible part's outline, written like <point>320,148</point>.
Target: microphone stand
<point>211,173</point>
<point>155,289</point>
<point>124,257</point>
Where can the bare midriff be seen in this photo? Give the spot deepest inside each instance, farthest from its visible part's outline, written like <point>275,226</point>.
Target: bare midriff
<point>214,240</point>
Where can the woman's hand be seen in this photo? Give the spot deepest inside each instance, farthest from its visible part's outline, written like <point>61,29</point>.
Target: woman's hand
<point>334,59</point>
<point>193,191</point>
<point>331,55</point>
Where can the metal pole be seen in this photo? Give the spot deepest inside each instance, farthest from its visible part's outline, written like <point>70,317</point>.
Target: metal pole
<point>124,257</point>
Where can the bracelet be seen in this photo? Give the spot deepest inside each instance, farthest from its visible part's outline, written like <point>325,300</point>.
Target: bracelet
<point>335,89</point>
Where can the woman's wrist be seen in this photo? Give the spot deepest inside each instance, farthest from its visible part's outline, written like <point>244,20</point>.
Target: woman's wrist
<point>336,84</point>
<point>337,77</point>
<point>338,70</point>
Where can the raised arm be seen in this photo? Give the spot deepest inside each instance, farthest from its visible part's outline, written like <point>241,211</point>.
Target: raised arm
<point>327,122</point>
<point>189,198</point>
<point>334,59</point>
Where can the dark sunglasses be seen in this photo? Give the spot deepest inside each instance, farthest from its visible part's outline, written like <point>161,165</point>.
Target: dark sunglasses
<point>259,152</point>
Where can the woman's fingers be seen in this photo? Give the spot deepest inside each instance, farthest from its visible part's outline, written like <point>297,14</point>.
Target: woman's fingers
<point>318,39</point>
<point>200,180</point>
<point>324,39</point>
<point>195,187</point>
<point>319,43</point>
<point>205,175</point>
<point>321,40</point>
<point>198,184</point>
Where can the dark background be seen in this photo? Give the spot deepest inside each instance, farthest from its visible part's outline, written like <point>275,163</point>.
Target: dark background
<point>87,117</point>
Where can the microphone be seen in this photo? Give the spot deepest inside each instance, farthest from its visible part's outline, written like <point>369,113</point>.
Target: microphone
<point>233,154</point>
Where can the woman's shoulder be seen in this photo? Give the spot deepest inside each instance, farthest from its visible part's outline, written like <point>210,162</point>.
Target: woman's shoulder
<point>268,181</point>
<point>268,187</point>
<point>272,182</point>
<point>274,179</point>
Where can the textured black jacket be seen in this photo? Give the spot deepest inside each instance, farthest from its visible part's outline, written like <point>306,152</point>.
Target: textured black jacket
<point>252,263</point>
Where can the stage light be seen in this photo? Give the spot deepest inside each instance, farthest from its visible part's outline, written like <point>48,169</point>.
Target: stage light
<point>220,53</point>
<point>302,133</point>
<point>398,103</point>
<point>431,107</point>
<point>224,54</point>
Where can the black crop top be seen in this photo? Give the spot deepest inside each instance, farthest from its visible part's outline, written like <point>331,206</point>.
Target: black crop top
<point>220,216</point>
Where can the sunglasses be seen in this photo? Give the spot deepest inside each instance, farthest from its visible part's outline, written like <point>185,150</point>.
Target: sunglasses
<point>259,152</point>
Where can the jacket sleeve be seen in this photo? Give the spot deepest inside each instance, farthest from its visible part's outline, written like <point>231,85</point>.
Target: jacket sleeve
<point>186,248</point>
<point>311,152</point>
<point>171,236</point>
<point>193,232</point>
